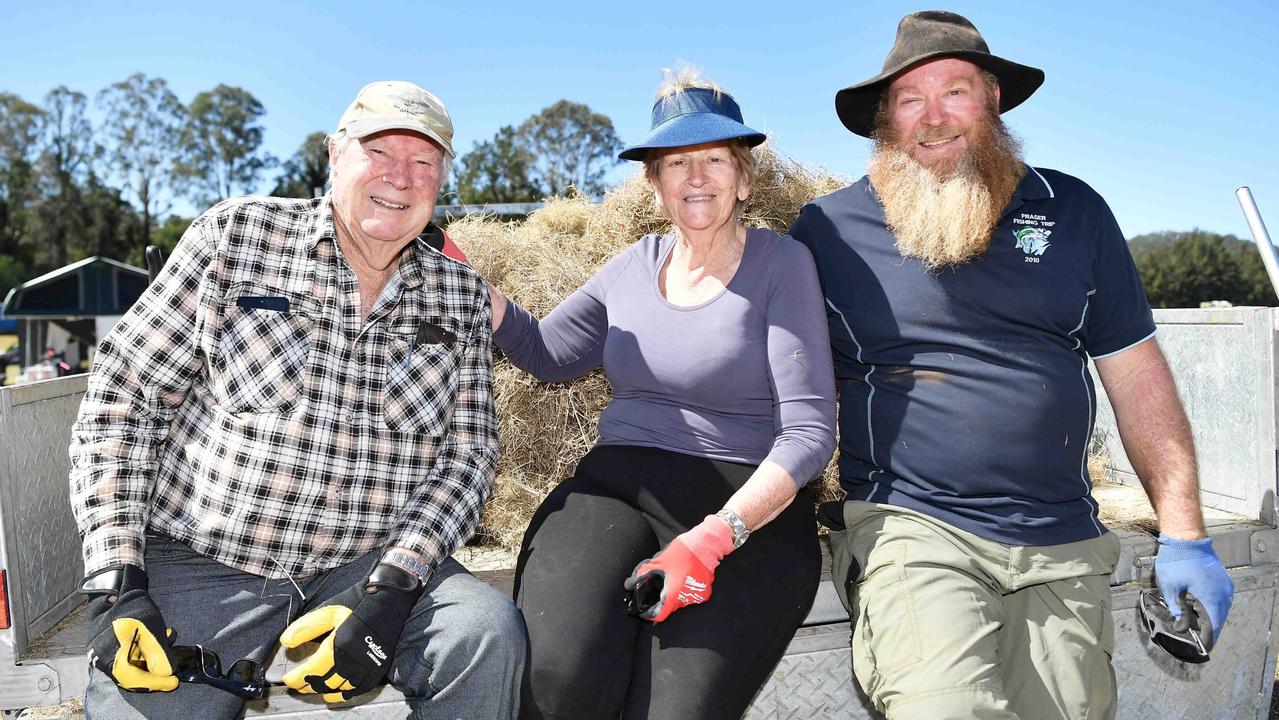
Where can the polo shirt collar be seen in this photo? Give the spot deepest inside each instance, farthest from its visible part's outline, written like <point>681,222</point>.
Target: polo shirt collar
<point>1033,186</point>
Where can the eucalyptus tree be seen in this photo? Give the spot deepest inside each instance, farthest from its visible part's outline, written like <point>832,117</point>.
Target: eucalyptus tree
<point>220,148</point>
<point>142,123</point>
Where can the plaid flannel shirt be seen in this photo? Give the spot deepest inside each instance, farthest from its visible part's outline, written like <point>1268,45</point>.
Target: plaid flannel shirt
<point>243,408</point>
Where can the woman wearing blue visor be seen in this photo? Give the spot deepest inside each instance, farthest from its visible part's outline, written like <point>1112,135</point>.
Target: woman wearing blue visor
<point>714,340</point>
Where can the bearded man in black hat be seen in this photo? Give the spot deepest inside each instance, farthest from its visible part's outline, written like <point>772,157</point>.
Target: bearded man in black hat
<point>966,292</point>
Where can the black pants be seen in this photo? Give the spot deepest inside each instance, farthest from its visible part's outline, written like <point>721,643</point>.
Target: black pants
<point>588,658</point>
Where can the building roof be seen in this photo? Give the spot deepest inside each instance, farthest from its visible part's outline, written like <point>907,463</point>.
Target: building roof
<point>88,288</point>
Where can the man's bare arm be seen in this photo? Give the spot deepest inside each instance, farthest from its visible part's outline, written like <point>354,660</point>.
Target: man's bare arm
<point>1156,435</point>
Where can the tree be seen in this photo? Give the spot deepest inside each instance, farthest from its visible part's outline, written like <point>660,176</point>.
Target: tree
<point>68,150</point>
<point>306,173</point>
<point>166,236</point>
<point>572,146</point>
<point>111,227</point>
<point>1257,288</point>
<point>497,171</point>
<point>143,122</point>
<point>21,126</point>
<point>219,151</point>
<point>1187,268</point>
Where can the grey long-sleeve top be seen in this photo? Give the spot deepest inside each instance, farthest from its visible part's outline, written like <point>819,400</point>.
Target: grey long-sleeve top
<point>745,376</point>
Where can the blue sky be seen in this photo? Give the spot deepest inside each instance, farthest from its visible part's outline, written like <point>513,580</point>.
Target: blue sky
<point>1165,111</point>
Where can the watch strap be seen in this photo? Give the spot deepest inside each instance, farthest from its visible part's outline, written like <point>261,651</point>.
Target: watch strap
<point>409,562</point>
<point>736,524</point>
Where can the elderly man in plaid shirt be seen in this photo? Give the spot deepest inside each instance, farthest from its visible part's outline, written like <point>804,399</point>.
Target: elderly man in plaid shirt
<point>285,440</point>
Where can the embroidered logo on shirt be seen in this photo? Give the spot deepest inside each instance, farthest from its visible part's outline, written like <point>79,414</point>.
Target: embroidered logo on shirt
<point>1033,241</point>
<point>1033,238</point>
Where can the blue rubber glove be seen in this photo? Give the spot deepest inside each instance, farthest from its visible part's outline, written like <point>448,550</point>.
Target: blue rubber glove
<point>1192,566</point>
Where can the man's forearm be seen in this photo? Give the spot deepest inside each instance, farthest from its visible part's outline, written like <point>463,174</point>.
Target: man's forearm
<point>1156,435</point>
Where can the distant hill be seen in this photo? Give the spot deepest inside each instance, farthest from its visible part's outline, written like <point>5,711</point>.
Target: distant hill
<point>1167,238</point>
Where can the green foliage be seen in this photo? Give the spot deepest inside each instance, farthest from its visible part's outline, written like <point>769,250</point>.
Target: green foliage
<point>110,226</point>
<point>65,160</point>
<point>219,150</point>
<point>307,171</point>
<point>1258,289</point>
<point>142,121</point>
<point>497,171</point>
<point>13,272</point>
<point>1183,269</point>
<point>165,237</point>
<point>20,127</point>
<point>565,145</point>
<point>54,206</point>
<point>572,146</point>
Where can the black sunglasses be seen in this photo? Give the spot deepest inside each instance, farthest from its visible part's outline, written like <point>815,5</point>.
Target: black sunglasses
<point>1188,639</point>
<point>246,678</point>
<point>642,594</point>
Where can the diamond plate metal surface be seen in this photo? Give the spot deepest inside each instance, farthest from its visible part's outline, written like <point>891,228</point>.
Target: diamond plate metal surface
<point>1236,683</point>
<point>815,683</point>
<point>813,680</point>
<point>41,543</point>
<point>1224,362</point>
<point>386,703</point>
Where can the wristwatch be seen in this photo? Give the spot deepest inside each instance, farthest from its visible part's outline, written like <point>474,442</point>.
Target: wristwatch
<point>408,562</point>
<point>740,533</point>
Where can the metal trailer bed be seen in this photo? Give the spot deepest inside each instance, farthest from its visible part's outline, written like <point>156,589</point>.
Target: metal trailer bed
<point>1224,360</point>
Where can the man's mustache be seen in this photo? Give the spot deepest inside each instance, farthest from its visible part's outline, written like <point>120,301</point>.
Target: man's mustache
<point>941,132</point>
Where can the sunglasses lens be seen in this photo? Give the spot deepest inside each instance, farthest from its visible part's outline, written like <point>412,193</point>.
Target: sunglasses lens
<point>1178,639</point>
<point>193,663</point>
<point>250,677</point>
<point>646,594</point>
<point>186,663</point>
<point>1187,652</point>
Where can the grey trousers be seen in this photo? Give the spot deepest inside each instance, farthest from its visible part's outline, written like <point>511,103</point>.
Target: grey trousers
<point>460,656</point>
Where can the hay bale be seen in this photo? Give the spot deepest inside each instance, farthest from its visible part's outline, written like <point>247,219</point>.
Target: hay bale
<point>546,429</point>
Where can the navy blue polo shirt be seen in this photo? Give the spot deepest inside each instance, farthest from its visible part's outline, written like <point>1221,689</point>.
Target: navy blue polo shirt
<point>965,392</point>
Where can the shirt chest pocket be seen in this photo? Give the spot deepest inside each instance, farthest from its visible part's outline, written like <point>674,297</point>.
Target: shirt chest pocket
<point>259,361</point>
<point>421,377</point>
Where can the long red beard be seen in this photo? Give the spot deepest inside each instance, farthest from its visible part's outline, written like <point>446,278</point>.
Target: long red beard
<point>944,216</point>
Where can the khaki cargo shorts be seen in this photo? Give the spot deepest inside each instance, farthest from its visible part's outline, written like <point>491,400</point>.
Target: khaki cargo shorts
<point>950,625</point>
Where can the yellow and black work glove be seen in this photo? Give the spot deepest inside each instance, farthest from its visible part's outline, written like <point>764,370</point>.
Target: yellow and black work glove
<point>127,635</point>
<point>363,625</point>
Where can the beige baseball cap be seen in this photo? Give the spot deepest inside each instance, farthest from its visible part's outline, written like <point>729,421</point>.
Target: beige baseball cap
<point>397,105</point>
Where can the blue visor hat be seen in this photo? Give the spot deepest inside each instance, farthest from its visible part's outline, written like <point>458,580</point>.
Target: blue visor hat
<point>693,117</point>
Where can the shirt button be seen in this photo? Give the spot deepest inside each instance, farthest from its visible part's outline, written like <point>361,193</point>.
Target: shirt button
<point>349,416</point>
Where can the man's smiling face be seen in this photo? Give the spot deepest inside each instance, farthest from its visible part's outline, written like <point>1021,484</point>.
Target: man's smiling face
<point>385,184</point>
<point>937,108</point>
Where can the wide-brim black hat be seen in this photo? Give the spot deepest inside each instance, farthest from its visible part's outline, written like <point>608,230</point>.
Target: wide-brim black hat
<point>926,36</point>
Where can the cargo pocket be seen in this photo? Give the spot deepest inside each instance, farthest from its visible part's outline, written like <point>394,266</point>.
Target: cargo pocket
<point>861,657</point>
<point>887,613</point>
<point>260,361</point>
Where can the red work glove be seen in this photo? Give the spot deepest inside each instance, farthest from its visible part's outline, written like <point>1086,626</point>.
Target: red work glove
<point>686,568</point>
